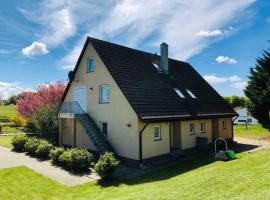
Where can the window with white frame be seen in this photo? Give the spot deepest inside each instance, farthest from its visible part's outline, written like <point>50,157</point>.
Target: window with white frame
<point>190,93</point>
<point>179,93</point>
<point>191,128</point>
<point>104,128</point>
<point>202,127</point>
<point>104,94</point>
<point>157,134</point>
<point>224,125</point>
<point>90,66</point>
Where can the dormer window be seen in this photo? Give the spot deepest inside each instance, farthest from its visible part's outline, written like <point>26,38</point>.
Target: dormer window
<point>190,93</point>
<point>179,93</point>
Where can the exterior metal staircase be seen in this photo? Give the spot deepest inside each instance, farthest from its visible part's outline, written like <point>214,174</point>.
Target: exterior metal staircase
<point>92,130</point>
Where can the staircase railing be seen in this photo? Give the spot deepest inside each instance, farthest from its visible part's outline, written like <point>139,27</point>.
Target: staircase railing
<point>71,107</point>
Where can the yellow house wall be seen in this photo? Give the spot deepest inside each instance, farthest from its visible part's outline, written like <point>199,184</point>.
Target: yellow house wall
<point>225,133</point>
<point>189,141</point>
<point>118,113</point>
<point>152,147</point>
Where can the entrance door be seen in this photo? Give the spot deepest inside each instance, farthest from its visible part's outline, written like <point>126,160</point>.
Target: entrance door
<point>176,135</point>
<point>80,95</point>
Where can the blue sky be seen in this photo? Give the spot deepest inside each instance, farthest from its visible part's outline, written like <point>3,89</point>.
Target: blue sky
<point>40,40</point>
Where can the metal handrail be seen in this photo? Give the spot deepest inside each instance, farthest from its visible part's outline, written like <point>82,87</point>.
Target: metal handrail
<point>71,107</point>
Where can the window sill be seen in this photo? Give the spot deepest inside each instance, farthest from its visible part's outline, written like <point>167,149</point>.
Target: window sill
<point>192,134</point>
<point>103,102</point>
<point>89,72</point>
<point>157,139</point>
<point>203,132</point>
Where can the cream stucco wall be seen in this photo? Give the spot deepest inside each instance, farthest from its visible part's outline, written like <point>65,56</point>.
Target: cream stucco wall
<point>227,132</point>
<point>189,141</point>
<point>117,113</point>
<point>152,147</point>
<point>66,131</point>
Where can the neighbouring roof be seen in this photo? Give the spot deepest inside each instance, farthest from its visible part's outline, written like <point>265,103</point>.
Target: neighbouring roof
<point>151,93</point>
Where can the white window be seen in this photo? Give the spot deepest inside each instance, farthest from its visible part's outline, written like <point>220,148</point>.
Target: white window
<point>191,94</point>
<point>202,127</point>
<point>90,66</point>
<point>104,94</point>
<point>224,125</point>
<point>191,128</point>
<point>104,128</point>
<point>157,135</point>
<point>180,94</point>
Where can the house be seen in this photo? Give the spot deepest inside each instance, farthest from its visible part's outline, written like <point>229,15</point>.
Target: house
<point>138,104</point>
<point>244,117</point>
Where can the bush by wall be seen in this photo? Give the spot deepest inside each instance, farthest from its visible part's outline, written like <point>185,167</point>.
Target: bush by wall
<point>18,142</point>
<point>31,145</point>
<point>76,159</point>
<point>43,149</point>
<point>55,154</point>
<point>106,165</point>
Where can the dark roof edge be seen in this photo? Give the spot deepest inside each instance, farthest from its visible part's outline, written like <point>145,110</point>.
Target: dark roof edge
<point>164,118</point>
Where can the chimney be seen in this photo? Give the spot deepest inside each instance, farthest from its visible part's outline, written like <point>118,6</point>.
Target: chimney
<point>164,63</point>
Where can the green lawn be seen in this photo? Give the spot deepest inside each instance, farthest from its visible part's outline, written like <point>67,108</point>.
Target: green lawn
<point>245,178</point>
<point>8,111</point>
<point>253,131</point>
<point>5,141</point>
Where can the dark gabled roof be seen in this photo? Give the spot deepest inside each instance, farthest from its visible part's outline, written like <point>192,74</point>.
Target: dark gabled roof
<point>151,93</point>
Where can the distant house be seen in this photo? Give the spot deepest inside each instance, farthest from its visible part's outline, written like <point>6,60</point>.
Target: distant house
<point>245,117</point>
<point>137,104</point>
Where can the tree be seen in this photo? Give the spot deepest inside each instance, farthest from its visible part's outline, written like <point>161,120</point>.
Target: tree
<point>258,90</point>
<point>228,99</point>
<point>46,95</point>
<point>12,99</point>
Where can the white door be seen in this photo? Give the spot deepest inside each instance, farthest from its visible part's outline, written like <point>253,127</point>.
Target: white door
<point>80,95</point>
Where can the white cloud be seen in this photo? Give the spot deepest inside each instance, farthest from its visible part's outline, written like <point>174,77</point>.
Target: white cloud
<point>222,59</point>
<point>9,89</point>
<point>213,79</point>
<point>239,85</point>
<point>36,48</point>
<point>143,24</point>
<point>209,33</point>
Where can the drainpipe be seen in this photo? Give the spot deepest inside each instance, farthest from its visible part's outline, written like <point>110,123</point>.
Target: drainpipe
<point>140,143</point>
<point>232,127</point>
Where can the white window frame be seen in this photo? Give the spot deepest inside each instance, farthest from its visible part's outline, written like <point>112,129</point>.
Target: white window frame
<point>191,93</point>
<point>159,133</point>
<point>192,132</point>
<point>202,123</point>
<point>101,128</point>
<point>101,99</point>
<point>179,93</point>
<point>88,62</point>
<point>224,124</point>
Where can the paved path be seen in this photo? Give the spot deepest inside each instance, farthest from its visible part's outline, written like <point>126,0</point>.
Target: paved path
<point>261,144</point>
<point>8,158</point>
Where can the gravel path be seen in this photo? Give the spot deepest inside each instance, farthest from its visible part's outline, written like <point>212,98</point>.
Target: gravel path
<point>8,159</point>
<point>260,144</point>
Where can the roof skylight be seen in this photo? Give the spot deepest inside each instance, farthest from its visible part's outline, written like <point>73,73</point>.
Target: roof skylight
<point>180,94</point>
<point>157,67</point>
<point>191,94</point>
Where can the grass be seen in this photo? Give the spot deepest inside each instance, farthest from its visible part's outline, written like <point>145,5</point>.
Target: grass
<point>245,178</point>
<point>8,111</point>
<point>5,141</point>
<point>252,132</point>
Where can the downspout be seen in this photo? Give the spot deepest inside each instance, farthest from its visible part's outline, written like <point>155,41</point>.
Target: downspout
<point>140,143</point>
<point>232,127</point>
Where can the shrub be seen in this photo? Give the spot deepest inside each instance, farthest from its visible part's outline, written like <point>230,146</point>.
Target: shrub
<point>106,165</point>
<point>76,159</point>
<point>18,142</point>
<point>55,154</point>
<point>46,124</point>
<point>19,121</point>
<point>43,149</point>
<point>31,145</point>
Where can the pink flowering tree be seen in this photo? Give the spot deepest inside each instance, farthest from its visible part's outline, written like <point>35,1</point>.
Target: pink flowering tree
<point>46,95</point>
